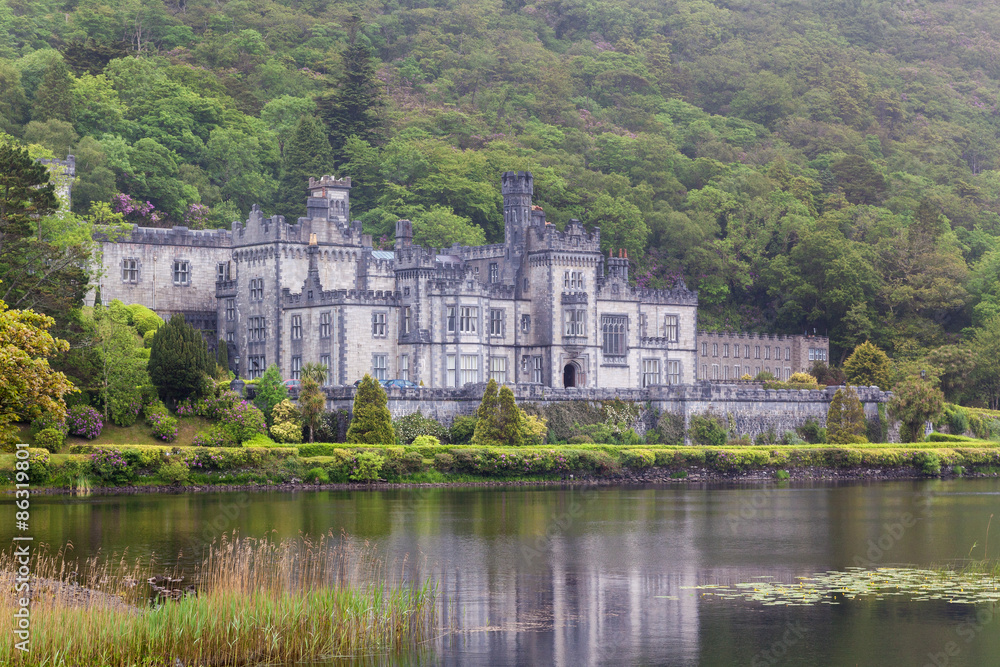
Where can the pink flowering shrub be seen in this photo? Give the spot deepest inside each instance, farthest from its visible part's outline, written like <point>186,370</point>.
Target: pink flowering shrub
<point>164,426</point>
<point>84,421</point>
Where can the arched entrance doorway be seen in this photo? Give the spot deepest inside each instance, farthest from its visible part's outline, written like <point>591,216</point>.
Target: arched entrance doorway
<point>571,373</point>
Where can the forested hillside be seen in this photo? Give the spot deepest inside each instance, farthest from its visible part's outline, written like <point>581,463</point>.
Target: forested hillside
<point>829,166</point>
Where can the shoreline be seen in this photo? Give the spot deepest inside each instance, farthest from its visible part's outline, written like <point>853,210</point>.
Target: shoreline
<point>647,476</point>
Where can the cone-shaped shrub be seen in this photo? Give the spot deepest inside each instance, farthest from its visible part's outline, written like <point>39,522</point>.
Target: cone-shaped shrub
<point>178,360</point>
<point>372,423</point>
<point>845,419</point>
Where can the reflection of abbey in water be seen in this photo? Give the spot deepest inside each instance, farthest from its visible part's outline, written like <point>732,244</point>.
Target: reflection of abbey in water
<point>545,307</point>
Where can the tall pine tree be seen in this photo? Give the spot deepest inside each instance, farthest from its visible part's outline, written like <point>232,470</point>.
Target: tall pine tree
<point>307,153</point>
<point>54,98</point>
<point>354,107</point>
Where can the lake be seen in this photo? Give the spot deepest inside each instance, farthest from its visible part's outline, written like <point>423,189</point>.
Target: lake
<point>608,575</point>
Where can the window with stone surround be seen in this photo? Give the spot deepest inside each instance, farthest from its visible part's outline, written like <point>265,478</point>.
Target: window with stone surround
<point>451,371</point>
<point>817,354</point>
<point>788,354</point>
<point>650,372</point>
<point>230,310</point>
<point>736,351</point>
<point>704,349</point>
<point>467,322</point>
<point>496,322</point>
<point>494,272</point>
<point>296,327</point>
<point>255,366</point>
<point>537,370</point>
<point>324,325</point>
<point>725,350</point>
<point>573,280</point>
<point>221,271</point>
<point>380,367</point>
<point>498,369</point>
<point>525,323</point>
<point>756,352</point>
<point>451,319</point>
<point>671,328</point>
<point>378,324</point>
<point>296,368</point>
<point>746,351</point>
<point>324,361</point>
<point>407,320</point>
<point>715,349</point>
<point>470,368</point>
<point>404,367</point>
<point>182,272</point>
<point>256,289</point>
<point>130,270</point>
<point>673,372</point>
<point>613,330</point>
<point>257,328</point>
<point>576,322</point>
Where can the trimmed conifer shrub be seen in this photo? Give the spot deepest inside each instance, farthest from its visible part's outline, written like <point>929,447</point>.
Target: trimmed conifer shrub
<point>372,423</point>
<point>179,361</point>
<point>845,418</point>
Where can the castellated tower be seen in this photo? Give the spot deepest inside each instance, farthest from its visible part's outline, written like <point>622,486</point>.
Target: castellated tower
<point>517,188</point>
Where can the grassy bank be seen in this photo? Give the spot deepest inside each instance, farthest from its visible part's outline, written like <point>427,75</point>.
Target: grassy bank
<point>255,602</point>
<point>90,466</point>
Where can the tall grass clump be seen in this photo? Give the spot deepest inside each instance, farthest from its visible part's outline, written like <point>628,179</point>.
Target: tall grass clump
<point>250,602</point>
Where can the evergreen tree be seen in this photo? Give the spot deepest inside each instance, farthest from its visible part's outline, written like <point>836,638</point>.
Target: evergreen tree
<point>54,97</point>
<point>354,106</point>
<point>307,153</point>
<point>222,355</point>
<point>868,366</point>
<point>845,418</point>
<point>178,360</point>
<point>311,399</point>
<point>914,402</point>
<point>372,423</point>
<point>499,422</point>
<point>271,390</point>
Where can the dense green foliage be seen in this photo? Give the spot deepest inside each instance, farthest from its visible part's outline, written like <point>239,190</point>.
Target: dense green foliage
<point>812,166</point>
<point>271,390</point>
<point>179,363</point>
<point>371,422</point>
<point>845,419</point>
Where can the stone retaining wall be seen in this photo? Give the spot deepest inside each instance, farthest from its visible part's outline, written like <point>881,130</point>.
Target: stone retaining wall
<point>751,409</point>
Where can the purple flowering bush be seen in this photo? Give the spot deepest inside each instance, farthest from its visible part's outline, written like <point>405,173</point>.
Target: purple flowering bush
<point>243,420</point>
<point>111,467</point>
<point>84,421</point>
<point>164,427</point>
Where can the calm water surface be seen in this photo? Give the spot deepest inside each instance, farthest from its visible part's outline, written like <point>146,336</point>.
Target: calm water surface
<point>573,576</point>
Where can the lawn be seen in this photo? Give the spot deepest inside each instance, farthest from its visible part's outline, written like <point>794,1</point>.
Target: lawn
<point>137,434</point>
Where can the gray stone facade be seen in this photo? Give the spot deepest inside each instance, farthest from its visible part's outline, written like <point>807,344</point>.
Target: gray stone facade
<point>543,308</point>
<point>545,312</point>
<point>728,356</point>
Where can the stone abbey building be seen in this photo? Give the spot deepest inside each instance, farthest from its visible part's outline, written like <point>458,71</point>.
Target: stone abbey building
<point>544,308</point>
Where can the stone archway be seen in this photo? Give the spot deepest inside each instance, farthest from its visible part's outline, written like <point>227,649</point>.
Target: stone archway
<point>571,375</point>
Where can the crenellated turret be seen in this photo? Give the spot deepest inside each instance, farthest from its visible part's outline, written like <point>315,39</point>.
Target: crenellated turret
<point>517,188</point>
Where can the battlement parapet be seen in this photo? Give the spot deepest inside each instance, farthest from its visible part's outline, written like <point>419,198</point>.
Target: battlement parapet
<point>328,181</point>
<point>178,235</point>
<point>225,288</point>
<point>671,297</point>
<point>494,251</point>
<point>750,336</point>
<point>575,238</point>
<point>339,298</point>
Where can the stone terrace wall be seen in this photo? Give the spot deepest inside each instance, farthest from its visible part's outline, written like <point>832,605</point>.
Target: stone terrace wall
<point>753,410</point>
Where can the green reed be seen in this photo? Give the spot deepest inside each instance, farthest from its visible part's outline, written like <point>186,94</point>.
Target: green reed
<point>258,602</point>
